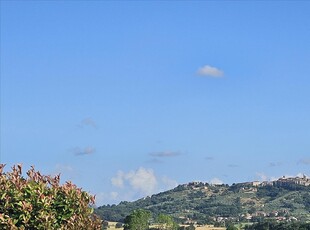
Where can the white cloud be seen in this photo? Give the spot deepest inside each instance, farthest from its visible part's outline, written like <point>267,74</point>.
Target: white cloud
<point>86,151</point>
<point>211,71</point>
<point>142,180</point>
<point>216,181</point>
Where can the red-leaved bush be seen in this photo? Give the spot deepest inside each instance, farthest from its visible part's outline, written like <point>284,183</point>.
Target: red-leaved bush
<point>41,202</point>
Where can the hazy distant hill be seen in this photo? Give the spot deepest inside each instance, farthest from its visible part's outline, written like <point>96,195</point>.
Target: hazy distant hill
<point>203,202</point>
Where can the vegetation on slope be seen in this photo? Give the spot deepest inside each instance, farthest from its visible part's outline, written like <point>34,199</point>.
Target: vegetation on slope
<point>205,203</point>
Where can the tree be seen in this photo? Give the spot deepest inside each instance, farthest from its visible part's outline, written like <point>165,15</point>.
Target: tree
<point>137,220</point>
<point>166,222</point>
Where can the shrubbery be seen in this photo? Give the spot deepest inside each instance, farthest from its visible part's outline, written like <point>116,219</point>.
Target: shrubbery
<point>40,202</point>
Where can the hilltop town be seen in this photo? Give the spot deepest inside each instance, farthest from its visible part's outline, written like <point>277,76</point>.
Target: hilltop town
<point>283,181</point>
<point>291,181</point>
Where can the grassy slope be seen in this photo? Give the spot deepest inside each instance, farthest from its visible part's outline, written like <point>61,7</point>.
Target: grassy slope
<point>202,201</point>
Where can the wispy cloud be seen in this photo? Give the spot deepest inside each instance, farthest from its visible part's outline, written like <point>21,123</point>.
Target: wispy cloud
<point>274,164</point>
<point>232,165</point>
<point>155,161</point>
<point>304,161</point>
<point>88,122</point>
<point>165,154</point>
<point>209,158</point>
<point>86,151</point>
<point>210,71</point>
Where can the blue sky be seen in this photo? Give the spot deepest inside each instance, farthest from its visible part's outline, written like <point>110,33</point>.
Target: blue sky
<point>127,99</point>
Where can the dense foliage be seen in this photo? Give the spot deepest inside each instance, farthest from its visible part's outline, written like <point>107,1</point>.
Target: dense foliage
<point>166,222</point>
<point>138,220</point>
<point>40,202</point>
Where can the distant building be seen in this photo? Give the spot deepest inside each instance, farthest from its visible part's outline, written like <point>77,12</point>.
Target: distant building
<point>256,183</point>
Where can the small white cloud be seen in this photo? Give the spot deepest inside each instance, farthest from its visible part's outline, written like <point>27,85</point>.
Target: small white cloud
<point>86,151</point>
<point>216,181</point>
<point>211,71</point>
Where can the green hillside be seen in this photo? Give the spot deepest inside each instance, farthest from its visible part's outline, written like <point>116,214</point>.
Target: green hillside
<point>206,203</point>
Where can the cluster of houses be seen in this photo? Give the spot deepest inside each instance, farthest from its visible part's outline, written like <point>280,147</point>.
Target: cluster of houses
<point>278,216</point>
<point>283,181</point>
<point>305,181</point>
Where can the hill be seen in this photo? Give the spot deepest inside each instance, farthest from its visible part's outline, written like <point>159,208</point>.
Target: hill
<point>284,199</point>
